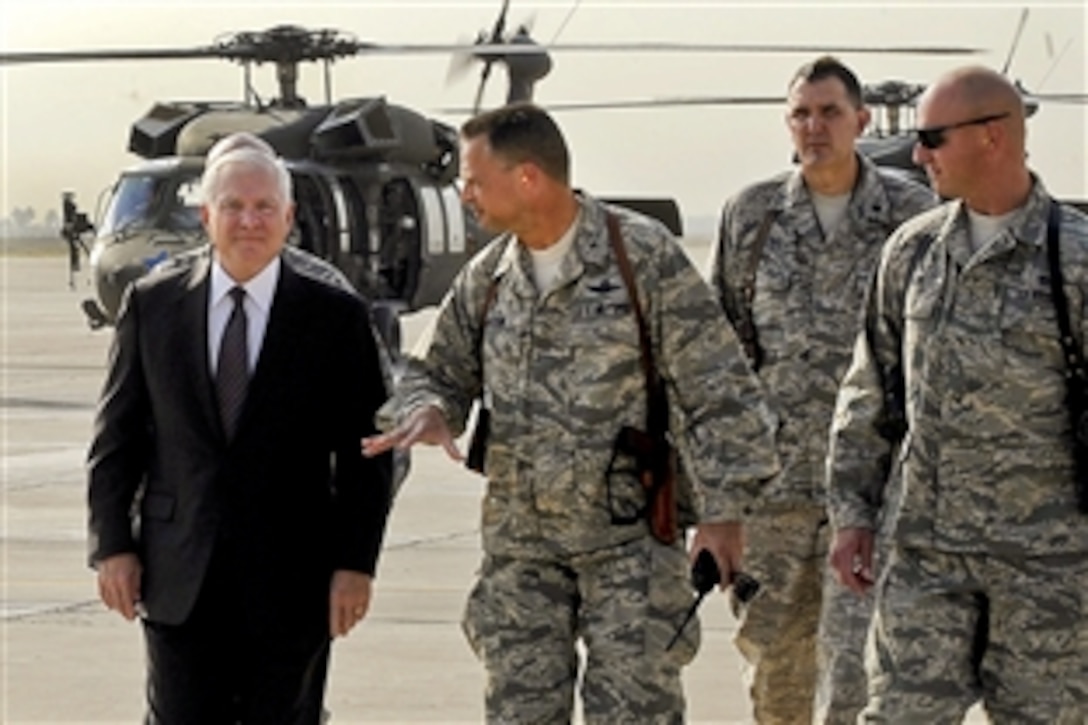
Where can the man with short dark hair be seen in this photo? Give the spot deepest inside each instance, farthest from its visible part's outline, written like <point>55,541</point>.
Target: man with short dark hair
<point>237,391</point>
<point>542,326</point>
<point>792,263</point>
<point>985,595</point>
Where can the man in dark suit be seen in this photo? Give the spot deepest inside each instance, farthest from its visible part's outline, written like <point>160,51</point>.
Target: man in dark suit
<point>229,504</point>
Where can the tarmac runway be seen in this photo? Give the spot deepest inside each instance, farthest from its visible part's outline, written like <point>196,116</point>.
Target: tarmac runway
<point>68,660</point>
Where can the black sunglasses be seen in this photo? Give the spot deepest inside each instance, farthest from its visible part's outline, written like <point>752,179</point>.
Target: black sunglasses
<point>933,138</point>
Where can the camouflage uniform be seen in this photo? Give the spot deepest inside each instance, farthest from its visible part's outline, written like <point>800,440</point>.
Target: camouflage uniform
<point>986,592</point>
<point>561,374</point>
<point>805,311</point>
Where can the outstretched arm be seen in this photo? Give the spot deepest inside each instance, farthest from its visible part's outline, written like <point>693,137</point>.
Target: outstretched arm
<point>425,425</point>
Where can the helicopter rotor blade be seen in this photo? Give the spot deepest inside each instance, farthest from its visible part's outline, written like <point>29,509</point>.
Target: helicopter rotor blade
<point>901,94</point>
<point>636,103</point>
<point>69,56</point>
<point>660,47</point>
<point>479,98</point>
<point>500,23</point>
<point>496,38</point>
<point>460,64</point>
<point>343,48</point>
<point>1058,97</point>
<point>1015,41</point>
<point>1054,59</point>
<point>667,102</point>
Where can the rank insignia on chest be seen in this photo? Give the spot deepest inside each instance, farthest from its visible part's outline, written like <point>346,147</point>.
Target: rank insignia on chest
<point>602,286</point>
<point>598,309</point>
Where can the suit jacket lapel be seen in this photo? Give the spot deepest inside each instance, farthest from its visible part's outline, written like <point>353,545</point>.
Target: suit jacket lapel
<point>276,349</point>
<point>193,341</point>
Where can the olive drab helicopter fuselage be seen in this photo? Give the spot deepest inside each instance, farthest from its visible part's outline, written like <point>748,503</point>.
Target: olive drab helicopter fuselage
<point>374,183</point>
<point>373,186</point>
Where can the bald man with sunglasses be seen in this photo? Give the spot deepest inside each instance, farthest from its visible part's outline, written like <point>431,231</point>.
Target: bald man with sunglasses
<point>985,596</point>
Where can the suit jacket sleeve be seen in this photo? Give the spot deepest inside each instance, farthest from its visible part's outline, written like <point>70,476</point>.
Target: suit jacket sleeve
<point>362,487</point>
<point>121,445</point>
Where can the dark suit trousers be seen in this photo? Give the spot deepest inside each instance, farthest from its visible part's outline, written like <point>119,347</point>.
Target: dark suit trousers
<point>224,666</point>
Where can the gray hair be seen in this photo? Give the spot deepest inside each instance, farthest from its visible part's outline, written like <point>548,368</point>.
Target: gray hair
<point>243,154</point>
<point>235,141</point>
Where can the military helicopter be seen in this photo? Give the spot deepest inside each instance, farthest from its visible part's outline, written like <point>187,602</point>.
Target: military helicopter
<point>889,139</point>
<point>375,183</point>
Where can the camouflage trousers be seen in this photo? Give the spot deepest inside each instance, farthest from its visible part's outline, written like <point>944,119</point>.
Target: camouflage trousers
<point>803,638</point>
<point>524,617</point>
<point>845,618</point>
<point>951,629</point>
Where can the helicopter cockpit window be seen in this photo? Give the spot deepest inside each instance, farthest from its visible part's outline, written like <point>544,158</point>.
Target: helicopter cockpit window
<point>146,201</point>
<point>184,213</point>
<point>130,205</point>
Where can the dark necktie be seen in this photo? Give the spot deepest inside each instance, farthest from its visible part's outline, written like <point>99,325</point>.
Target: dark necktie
<point>232,371</point>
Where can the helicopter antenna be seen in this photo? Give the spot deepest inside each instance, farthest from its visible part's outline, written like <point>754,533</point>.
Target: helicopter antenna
<point>563,25</point>
<point>252,98</point>
<point>1015,41</point>
<point>247,83</point>
<point>1053,63</point>
<point>328,81</point>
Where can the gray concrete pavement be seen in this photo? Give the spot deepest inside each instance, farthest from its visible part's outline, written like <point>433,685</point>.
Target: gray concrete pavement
<point>65,659</point>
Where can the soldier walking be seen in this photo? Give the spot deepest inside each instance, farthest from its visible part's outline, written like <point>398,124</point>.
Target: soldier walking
<point>541,324</point>
<point>985,595</point>
<point>794,257</point>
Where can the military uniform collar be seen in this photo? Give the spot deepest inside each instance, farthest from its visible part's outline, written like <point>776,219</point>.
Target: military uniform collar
<point>870,201</point>
<point>867,186</point>
<point>590,251</point>
<point>1027,227</point>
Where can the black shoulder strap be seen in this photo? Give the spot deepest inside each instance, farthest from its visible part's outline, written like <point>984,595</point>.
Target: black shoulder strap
<point>893,424</point>
<point>755,256</point>
<point>628,276</point>
<point>656,411</point>
<point>1076,379</point>
<point>745,326</point>
<point>1074,358</point>
<point>489,300</point>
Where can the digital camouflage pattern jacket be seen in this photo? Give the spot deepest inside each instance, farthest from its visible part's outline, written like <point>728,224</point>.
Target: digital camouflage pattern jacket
<point>973,338</point>
<point>796,293</point>
<point>561,375</point>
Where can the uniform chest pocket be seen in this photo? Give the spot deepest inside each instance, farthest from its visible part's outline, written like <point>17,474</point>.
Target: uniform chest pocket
<point>1028,310</point>
<point>773,285</point>
<point>1029,322</point>
<point>773,278</point>
<point>611,328</point>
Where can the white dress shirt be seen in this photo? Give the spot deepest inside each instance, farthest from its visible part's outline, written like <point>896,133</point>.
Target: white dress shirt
<point>258,302</point>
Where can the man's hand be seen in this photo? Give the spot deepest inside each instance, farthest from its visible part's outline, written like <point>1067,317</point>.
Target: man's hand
<point>119,583</point>
<point>349,600</point>
<point>725,541</point>
<point>423,425</point>
<point>852,558</point>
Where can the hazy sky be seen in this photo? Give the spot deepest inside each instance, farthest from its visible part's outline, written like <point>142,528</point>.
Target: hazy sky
<point>65,126</point>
